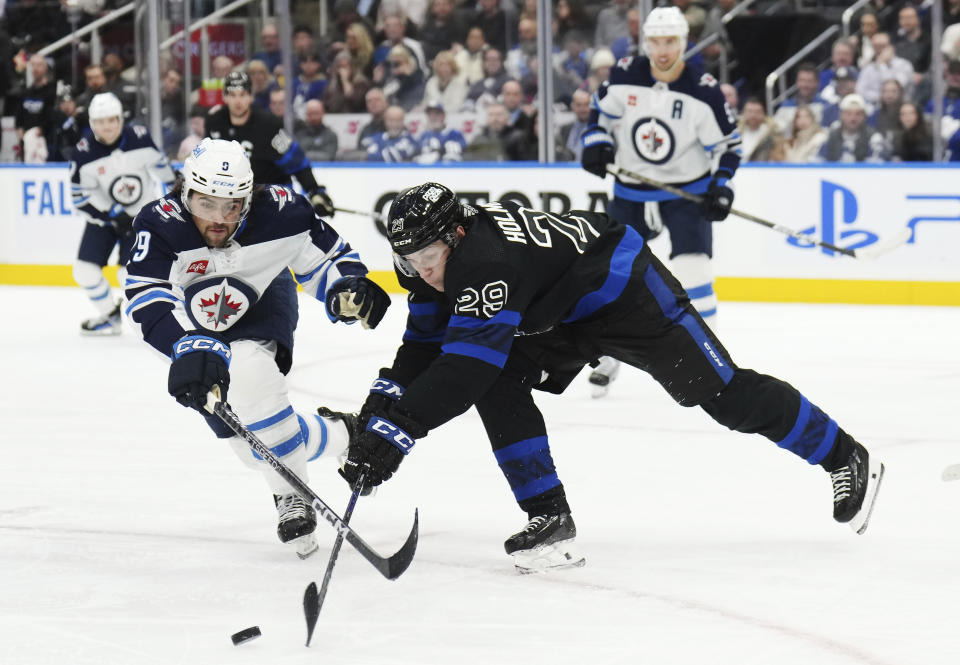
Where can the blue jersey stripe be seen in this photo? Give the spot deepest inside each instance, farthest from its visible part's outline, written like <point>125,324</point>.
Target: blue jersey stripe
<point>414,336</point>
<point>505,317</point>
<point>423,308</point>
<point>672,310</point>
<point>152,296</point>
<point>621,267</point>
<point>476,351</point>
<point>629,193</point>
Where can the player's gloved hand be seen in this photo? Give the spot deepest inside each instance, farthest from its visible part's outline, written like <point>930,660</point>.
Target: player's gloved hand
<point>383,394</point>
<point>376,453</point>
<point>597,151</point>
<point>121,222</point>
<point>200,362</point>
<point>717,201</point>
<point>356,298</point>
<point>321,202</point>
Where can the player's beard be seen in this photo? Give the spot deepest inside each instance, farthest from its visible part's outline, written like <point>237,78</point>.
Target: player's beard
<point>218,234</point>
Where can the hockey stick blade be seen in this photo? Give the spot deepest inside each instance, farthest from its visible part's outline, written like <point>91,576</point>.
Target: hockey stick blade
<point>952,472</point>
<point>882,247</point>
<point>390,567</point>
<point>311,608</point>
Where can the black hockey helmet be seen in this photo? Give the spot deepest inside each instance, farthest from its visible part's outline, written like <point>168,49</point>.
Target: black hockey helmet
<point>237,81</point>
<point>422,215</point>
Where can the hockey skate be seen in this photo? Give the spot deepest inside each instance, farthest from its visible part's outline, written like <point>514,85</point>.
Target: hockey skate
<point>108,324</point>
<point>298,520</point>
<point>546,543</point>
<point>351,420</point>
<point>855,487</point>
<point>603,375</point>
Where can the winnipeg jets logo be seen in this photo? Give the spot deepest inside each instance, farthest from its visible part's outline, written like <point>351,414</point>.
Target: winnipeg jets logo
<point>281,195</point>
<point>126,189</point>
<point>219,306</point>
<point>653,140</point>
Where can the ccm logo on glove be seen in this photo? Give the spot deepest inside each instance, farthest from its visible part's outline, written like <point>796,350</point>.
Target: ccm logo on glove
<point>387,387</point>
<point>391,433</point>
<point>191,344</point>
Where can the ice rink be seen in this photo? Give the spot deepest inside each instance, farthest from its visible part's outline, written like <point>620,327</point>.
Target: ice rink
<point>130,536</point>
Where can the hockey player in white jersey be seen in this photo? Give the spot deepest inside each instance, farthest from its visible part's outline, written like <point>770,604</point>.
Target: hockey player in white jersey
<point>657,117</point>
<point>115,170</point>
<point>209,286</point>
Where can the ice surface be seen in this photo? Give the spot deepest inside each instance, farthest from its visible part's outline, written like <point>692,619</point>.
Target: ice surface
<point>129,535</point>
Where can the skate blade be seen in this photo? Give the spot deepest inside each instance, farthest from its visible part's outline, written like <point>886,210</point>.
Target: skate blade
<point>106,331</point>
<point>306,546</point>
<point>862,518</point>
<point>556,556</point>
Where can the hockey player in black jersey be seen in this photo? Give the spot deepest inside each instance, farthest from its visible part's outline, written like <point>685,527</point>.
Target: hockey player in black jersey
<point>274,155</point>
<point>504,299</point>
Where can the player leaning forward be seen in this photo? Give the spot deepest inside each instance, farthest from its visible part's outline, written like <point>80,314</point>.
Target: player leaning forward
<point>116,169</point>
<point>209,286</point>
<point>505,299</point>
<point>671,124</point>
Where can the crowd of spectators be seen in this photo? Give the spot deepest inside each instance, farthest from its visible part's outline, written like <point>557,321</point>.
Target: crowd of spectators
<point>414,69</point>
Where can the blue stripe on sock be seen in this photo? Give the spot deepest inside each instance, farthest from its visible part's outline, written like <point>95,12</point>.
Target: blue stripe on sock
<point>702,291</point>
<point>826,444</point>
<point>803,415</point>
<point>528,467</point>
<point>323,438</point>
<point>285,448</point>
<point>272,420</point>
<point>536,487</point>
<point>707,312</point>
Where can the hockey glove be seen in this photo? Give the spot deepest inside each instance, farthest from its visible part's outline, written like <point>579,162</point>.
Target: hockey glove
<point>321,202</point>
<point>597,151</point>
<point>121,223</point>
<point>383,394</point>
<point>356,298</point>
<point>376,453</point>
<point>200,362</point>
<point>718,200</point>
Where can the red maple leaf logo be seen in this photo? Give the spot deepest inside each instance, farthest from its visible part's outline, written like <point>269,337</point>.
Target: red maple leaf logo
<point>219,308</point>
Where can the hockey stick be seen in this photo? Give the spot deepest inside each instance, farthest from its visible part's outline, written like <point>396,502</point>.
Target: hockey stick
<point>376,216</point>
<point>877,249</point>
<point>952,472</point>
<point>313,601</point>
<point>390,567</point>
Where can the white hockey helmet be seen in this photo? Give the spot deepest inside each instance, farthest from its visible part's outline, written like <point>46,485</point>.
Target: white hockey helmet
<point>105,105</point>
<point>218,168</point>
<point>666,22</point>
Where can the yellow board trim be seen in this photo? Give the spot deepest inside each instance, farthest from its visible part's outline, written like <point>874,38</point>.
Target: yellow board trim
<point>744,289</point>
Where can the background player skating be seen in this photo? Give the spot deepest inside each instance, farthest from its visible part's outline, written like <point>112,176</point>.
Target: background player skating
<point>662,119</point>
<point>115,170</point>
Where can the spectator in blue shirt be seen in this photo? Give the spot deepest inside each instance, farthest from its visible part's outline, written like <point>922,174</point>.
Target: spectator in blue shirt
<point>439,143</point>
<point>396,144</point>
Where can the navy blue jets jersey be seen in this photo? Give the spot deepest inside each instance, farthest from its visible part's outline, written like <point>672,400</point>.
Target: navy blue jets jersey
<point>176,283</point>
<point>108,180</point>
<point>671,132</point>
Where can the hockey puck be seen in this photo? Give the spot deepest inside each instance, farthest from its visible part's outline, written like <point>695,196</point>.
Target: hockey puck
<point>245,635</point>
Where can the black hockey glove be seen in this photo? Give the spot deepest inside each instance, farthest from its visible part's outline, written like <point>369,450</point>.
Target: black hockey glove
<point>376,453</point>
<point>321,202</point>
<point>121,223</point>
<point>356,298</point>
<point>717,201</point>
<point>200,362</point>
<point>597,151</point>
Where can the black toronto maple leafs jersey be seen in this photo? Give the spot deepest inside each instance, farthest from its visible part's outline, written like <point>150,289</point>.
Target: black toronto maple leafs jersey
<point>274,155</point>
<point>516,272</point>
<point>243,290</point>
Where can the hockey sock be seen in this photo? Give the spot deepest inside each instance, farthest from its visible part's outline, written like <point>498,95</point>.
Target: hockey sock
<point>323,437</point>
<point>89,276</point>
<point>528,467</point>
<point>695,273</point>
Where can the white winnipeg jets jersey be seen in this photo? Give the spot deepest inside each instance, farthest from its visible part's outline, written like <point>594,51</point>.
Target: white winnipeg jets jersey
<point>671,132</point>
<point>106,181</point>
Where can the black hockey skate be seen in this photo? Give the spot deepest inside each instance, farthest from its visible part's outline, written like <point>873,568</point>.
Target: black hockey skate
<point>108,324</point>
<point>298,521</point>
<point>855,487</point>
<point>546,543</point>
<point>352,421</point>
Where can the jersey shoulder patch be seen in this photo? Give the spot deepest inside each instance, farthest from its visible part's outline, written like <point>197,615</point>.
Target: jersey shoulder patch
<point>707,81</point>
<point>163,210</point>
<point>631,71</point>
